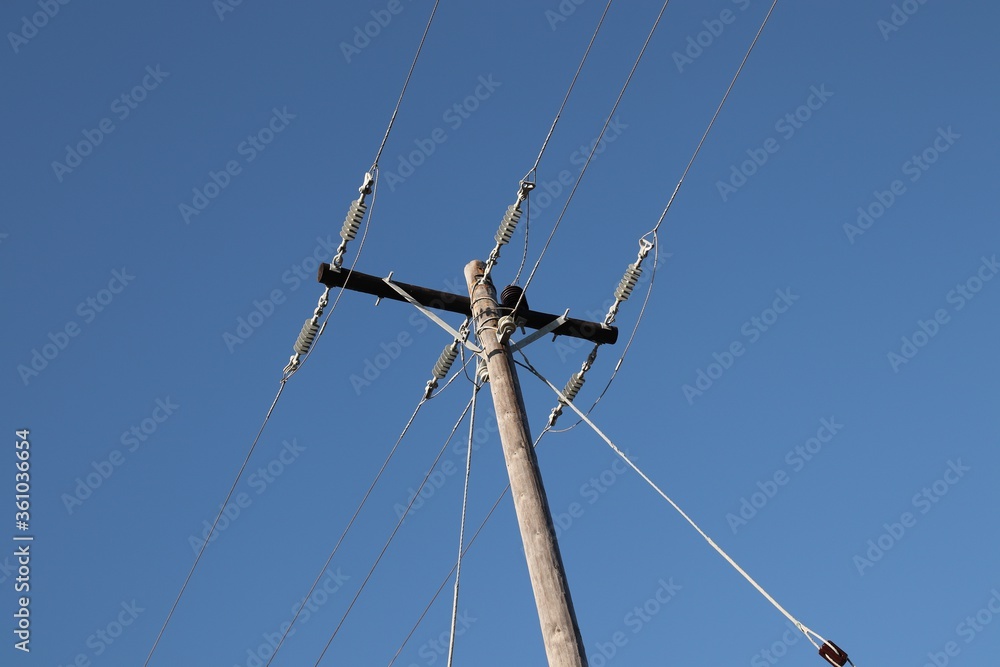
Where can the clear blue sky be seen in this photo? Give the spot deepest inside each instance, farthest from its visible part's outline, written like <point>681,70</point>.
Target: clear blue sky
<point>847,184</point>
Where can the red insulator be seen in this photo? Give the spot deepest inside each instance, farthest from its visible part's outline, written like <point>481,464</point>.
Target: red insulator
<point>833,654</point>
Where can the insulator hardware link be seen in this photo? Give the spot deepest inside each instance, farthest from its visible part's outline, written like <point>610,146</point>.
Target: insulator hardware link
<point>507,226</point>
<point>352,223</point>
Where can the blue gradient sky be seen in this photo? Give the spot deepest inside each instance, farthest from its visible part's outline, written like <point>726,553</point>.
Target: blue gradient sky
<point>847,184</point>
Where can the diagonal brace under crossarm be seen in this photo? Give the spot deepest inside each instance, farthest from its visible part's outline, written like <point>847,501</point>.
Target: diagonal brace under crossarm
<point>548,328</point>
<point>430,314</point>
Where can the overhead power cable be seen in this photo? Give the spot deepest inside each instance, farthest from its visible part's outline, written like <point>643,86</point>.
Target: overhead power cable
<point>395,530</point>
<point>347,528</point>
<point>632,275</point>
<point>461,529</point>
<point>711,123</point>
<point>211,531</point>
<point>569,91</point>
<point>628,282</point>
<point>628,343</point>
<point>524,253</point>
<point>510,219</point>
<point>593,150</point>
<point>406,83</point>
<point>830,651</point>
<point>311,330</point>
<point>447,577</point>
<point>441,368</point>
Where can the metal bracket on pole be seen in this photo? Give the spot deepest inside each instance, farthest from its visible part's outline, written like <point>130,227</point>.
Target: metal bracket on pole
<point>430,314</point>
<point>531,338</point>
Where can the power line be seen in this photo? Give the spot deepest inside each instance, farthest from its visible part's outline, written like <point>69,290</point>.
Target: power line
<point>631,338</point>
<point>654,230</point>
<point>426,397</point>
<point>711,123</point>
<point>354,216</point>
<point>295,363</point>
<point>569,90</point>
<point>461,529</point>
<point>444,582</point>
<point>350,523</point>
<point>593,150</point>
<point>513,214</point>
<point>524,253</point>
<point>406,83</point>
<point>208,538</point>
<point>399,523</point>
<point>286,375</point>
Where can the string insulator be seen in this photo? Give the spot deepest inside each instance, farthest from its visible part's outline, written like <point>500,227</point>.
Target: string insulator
<point>444,362</point>
<point>628,282</point>
<point>570,391</point>
<point>508,224</point>
<point>306,336</point>
<point>573,387</point>
<point>353,221</point>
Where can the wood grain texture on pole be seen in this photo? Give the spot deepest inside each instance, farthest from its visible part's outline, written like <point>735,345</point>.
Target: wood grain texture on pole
<point>560,631</point>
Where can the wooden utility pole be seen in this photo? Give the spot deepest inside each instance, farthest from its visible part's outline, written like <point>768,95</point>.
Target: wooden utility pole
<point>560,632</point>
